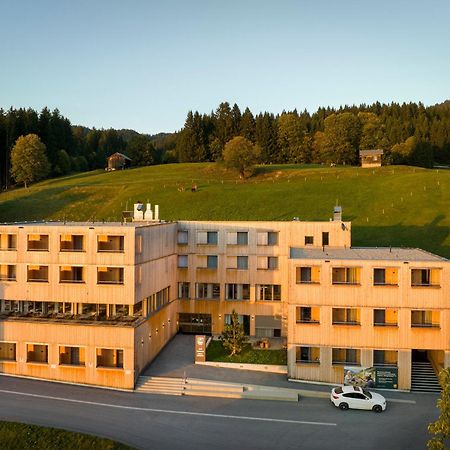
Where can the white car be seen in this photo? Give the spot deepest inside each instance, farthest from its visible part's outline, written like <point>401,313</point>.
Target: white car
<point>354,397</point>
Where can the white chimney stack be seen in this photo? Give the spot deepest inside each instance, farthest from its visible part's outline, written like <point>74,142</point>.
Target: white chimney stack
<point>138,212</point>
<point>148,212</point>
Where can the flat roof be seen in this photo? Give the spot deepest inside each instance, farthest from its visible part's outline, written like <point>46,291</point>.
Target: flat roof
<point>136,224</point>
<point>365,253</point>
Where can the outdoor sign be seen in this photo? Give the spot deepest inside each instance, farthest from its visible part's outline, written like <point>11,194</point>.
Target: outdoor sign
<point>200,348</point>
<point>371,377</point>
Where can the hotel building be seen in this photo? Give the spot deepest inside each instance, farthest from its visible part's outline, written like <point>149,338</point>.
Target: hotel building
<point>94,303</point>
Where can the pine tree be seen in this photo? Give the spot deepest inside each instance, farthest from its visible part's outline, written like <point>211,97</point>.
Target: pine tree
<point>233,337</point>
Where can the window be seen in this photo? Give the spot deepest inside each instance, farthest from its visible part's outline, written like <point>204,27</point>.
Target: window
<point>211,261</point>
<point>111,358</point>
<point>242,238</point>
<point>385,317</point>
<point>307,314</point>
<point>309,240</point>
<point>268,292</point>
<point>346,316</point>
<point>71,356</point>
<point>267,238</point>
<point>37,243</point>
<point>7,272</point>
<point>7,351</point>
<point>8,242</point>
<point>71,274</point>
<point>385,276</point>
<point>109,275</point>
<point>71,243</point>
<point>110,244</point>
<point>267,262</point>
<point>242,262</point>
<point>183,237</point>
<point>346,275</point>
<point>385,357</point>
<point>325,238</point>
<point>207,237</point>
<point>308,355</point>
<point>37,274</point>
<point>212,238</point>
<point>208,291</point>
<point>237,291</point>
<point>183,261</point>
<point>183,290</point>
<point>425,277</point>
<point>37,353</point>
<point>346,356</point>
<point>308,275</point>
<point>425,319</point>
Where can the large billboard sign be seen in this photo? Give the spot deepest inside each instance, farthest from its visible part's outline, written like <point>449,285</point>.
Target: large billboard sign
<point>371,377</point>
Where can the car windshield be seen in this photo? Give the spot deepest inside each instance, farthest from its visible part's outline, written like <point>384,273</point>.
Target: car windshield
<point>367,393</point>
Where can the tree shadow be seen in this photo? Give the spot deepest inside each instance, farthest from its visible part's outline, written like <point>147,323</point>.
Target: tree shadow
<point>432,237</point>
<point>35,206</point>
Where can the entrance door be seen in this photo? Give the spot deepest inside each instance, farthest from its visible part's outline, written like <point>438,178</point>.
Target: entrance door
<point>195,323</point>
<point>419,356</point>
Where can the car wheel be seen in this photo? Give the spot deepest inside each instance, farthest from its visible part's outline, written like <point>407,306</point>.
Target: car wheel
<point>343,406</point>
<point>377,408</point>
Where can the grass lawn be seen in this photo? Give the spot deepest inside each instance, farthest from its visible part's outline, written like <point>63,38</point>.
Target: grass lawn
<point>388,206</point>
<point>216,352</point>
<point>15,436</point>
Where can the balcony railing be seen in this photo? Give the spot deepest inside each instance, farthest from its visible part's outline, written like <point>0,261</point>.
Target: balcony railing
<point>424,325</point>
<point>37,280</point>
<point>308,321</point>
<point>385,324</point>
<point>347,322</point>
<point>109,281</point>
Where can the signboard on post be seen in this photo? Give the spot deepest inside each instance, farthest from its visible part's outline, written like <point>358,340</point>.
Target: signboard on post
<point>200,348</point>
<point>371,377</point>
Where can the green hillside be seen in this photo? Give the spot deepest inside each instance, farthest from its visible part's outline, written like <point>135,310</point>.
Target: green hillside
<point>395,205</point>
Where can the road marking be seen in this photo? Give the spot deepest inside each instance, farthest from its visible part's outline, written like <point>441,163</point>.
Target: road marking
<point>169,411</point>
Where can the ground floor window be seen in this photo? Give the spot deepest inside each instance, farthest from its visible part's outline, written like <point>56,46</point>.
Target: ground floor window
<point>307,355</point>
<point>72,356</point>
<point>268,326</point>
<point>37,353</point>
<point>7,351</point>
<point>385,357</point>
<point>108,357</point>
<point>348,356</point>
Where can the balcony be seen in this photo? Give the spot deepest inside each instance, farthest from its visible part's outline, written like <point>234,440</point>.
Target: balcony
<point>71,274</point>
<point>110,244</point>
<point>110,275</point>
<point>71,243</point>
<point>350,276</point>
<point>37,274</point>
<point>37,243</point>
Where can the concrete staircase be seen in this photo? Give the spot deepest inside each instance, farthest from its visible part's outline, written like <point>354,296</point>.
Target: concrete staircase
<point>210,388</point>
<point>160,385</point>
<point>423,378</point>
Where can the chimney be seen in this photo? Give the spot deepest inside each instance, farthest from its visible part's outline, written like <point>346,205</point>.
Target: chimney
<point>138,212</point>
<point>148,215</point>
<point>337,213</point>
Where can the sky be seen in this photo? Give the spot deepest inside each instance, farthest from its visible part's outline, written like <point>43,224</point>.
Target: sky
<point>144,64</point>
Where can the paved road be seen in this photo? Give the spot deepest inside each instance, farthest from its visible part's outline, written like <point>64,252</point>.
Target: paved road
<point>164,422</point>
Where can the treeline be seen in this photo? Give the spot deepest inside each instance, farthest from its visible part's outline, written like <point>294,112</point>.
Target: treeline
<point>408,133</point>
<point>75,148</point>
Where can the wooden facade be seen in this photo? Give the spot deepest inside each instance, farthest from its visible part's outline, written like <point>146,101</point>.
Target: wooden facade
<point>94,303</point>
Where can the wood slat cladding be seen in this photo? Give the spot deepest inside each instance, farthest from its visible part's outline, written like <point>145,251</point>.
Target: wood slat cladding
<point>281,266</point>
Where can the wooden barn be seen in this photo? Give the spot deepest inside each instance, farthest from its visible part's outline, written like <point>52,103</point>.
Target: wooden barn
<point>118,161</point>
<point>371,158</point>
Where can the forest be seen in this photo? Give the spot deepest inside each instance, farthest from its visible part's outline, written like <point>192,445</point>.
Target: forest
<point>409,133</point>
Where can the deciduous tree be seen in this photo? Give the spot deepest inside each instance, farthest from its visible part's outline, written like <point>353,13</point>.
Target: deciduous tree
<point>441,428</point>
<point>29,161</point>
<point>240,154</point>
